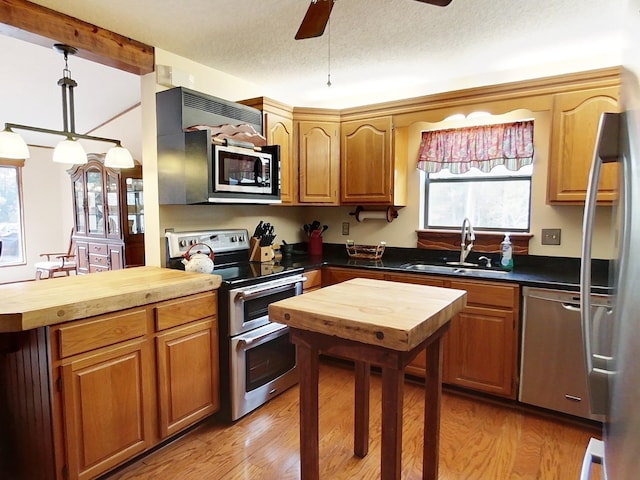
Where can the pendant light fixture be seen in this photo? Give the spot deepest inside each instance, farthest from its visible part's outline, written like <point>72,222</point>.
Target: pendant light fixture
<point>69,150</point>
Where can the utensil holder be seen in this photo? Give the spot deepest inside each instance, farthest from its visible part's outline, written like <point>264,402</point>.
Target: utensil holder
<point>315,246</point>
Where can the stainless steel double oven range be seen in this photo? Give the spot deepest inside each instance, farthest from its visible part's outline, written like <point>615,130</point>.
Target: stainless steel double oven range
<point>257,361</point>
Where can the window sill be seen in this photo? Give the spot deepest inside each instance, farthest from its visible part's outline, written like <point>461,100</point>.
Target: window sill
<point>486,242</point>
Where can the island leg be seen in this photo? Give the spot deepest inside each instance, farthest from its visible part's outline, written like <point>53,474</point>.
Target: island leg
<point>361,413</point>
<point>392,403</point>
<point>309,432</point>
<point>432,402</point>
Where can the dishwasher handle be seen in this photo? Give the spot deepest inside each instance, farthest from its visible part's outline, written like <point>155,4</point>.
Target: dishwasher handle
<point>571,306</point>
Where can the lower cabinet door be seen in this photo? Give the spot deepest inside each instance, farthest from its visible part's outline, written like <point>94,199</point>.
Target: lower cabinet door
<point>108,407</point>
<point>478,351</point>
<point>188,381</point>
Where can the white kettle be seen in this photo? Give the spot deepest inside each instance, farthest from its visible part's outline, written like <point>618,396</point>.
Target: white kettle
<point>198,261</point>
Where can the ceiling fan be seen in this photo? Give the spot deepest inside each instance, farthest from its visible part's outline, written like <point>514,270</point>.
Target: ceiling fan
<point>317,16</point>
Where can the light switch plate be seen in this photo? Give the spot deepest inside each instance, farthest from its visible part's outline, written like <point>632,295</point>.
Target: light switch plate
<point>551,236</point>
<point>345,228</point>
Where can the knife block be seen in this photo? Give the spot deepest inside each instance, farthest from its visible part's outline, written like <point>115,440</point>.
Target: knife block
<point>258,253</point>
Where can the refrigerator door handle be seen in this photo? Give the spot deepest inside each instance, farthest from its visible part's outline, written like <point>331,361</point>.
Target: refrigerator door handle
<point>597,378</point>
<point>594,454</point>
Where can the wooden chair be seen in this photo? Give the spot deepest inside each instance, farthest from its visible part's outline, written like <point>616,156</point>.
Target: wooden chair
<point>56,263</point>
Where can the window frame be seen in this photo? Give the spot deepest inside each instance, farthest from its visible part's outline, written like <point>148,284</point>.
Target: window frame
<point>18,165</point>
<point>502,178</point>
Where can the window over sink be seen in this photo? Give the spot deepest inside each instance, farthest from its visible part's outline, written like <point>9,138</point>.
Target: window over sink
<point>499,200</point>
<point>481,172</point>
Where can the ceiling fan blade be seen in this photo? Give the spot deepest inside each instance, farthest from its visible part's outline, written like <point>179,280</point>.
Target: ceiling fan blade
<point>315,20</point>
<point>437,3</point>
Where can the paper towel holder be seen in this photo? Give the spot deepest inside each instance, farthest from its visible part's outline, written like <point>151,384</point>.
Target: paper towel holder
<point>388,214</point>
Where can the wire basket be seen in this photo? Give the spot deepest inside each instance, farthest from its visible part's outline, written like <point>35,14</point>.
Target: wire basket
<point>369,252</point>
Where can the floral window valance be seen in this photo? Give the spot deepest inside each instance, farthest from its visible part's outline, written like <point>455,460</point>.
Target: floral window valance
<point>483,147</point>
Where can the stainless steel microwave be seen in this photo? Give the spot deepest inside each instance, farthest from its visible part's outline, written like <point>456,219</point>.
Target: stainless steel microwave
<point>244,175</point>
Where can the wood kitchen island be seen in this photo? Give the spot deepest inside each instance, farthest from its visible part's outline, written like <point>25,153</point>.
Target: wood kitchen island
<point>96,369</point>
<point>372,322</point>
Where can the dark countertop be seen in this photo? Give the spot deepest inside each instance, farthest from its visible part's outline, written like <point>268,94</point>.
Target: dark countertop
<point>561,273</point>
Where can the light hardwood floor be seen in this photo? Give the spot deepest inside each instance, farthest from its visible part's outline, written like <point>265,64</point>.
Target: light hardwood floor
<point>478,441</point>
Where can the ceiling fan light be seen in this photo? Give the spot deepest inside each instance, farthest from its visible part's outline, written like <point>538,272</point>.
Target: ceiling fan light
<point>69,151</point>
<point>118,157</point>
<point>12,145</point>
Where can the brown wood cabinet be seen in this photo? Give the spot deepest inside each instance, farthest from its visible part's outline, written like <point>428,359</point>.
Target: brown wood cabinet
<point>107,397</point>
<point>106,388</point>
<point>313,281</point>
<point>368,167</point>
<point>575,118</point>
<point>482,344</point>
<point>108,216</point>
<point>318,162</point>
<point>278,129</point>
<point>187,362</point>
<point>333,275</point>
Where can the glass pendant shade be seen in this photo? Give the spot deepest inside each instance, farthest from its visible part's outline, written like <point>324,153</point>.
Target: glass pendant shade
<point>13,146</point>
<point>69,151</point>
<point>118,157</point>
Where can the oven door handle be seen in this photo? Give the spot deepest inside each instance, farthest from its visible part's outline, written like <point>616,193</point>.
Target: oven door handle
<point>260,292</point>
<point>266,333</point>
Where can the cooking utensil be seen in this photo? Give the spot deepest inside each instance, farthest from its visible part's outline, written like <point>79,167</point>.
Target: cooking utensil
<point>324,229</point>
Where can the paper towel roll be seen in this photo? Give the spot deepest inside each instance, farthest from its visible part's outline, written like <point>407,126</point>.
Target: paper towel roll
<point>376,215</point>
<point>361,214</point>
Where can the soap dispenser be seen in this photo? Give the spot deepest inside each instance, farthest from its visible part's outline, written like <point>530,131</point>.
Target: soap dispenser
<point>506,253</point>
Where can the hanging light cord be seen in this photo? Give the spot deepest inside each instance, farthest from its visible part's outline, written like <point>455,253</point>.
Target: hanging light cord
<point>329,54</point>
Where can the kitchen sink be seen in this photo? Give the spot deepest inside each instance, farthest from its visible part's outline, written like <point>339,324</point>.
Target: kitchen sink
<point>452,267</point>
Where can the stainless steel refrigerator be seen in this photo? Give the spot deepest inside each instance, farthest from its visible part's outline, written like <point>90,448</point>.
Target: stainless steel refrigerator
<point>614,372</point>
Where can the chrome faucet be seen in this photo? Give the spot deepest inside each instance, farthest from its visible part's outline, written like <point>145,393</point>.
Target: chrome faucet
<point>467,235</point>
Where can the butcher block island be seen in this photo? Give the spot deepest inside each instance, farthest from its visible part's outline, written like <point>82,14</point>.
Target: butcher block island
<point>372,322</point>
<point>96,369</point>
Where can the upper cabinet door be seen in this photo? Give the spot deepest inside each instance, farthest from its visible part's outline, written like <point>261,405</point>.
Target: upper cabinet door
<point>367,174</point>
<point>278,130</point>
<point>319,158</point>
<point>573,137</point>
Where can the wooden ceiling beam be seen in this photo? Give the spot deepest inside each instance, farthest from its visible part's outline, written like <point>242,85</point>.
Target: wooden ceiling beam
<point>40,25</point>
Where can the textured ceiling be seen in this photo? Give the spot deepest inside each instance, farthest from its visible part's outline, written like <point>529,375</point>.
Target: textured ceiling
<point>386,49</point>
<point>380,49</point>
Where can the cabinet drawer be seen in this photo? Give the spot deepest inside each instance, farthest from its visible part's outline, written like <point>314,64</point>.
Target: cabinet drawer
<point>314,279</point>
<point>101,331</point>
<point>98,248</point>
<point>491,294</point>
<point>99,260</point>
<point>98,268</point>
<point>177,312</point>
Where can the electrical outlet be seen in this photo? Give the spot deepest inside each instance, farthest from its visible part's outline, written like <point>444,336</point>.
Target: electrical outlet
<point>345,228</point>
<point>551,236</point>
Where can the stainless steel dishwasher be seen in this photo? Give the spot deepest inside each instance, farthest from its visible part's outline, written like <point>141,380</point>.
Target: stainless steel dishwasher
<point>552,368</point>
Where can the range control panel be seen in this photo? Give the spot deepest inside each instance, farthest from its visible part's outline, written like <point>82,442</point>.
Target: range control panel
<point>218,240</point>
